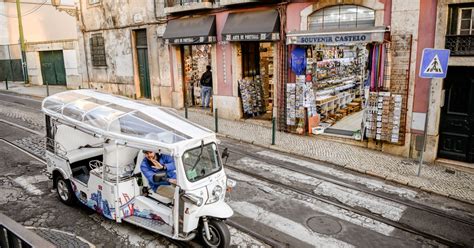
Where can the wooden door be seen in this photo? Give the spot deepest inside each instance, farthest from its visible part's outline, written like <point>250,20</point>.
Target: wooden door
<point>457,116</point>
<point>143,68</point>
<point>52,67</point>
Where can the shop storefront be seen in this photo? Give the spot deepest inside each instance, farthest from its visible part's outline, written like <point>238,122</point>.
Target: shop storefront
<point>195,38</point>
<point>340,84</point>
<point>254,35</point>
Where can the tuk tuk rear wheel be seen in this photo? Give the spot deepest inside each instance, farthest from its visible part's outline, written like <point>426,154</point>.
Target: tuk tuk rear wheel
<point>219,232</point>
<point>64,190</point>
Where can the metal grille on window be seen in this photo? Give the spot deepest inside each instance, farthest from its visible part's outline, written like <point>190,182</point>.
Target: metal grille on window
<point>98,50</point>
<point>341,16</point>
<point>460,39</point>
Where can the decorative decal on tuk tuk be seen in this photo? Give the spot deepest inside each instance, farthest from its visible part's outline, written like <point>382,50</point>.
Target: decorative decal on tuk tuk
<point>128,207</point>
<point>100,206</point>
<point>148,215</point>
<point>96,202</point>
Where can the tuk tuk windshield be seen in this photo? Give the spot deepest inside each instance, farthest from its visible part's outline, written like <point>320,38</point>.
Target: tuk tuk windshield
<point>201,162</point>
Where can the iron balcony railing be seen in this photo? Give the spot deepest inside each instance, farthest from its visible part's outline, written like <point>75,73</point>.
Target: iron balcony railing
<point>460,45</point>
<point>173,3</point>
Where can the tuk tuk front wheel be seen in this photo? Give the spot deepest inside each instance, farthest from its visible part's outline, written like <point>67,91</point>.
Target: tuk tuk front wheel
<point>64,190</point>
<point>219,233</point>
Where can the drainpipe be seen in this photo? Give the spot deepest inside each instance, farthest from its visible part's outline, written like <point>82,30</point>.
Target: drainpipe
<point>22,41</point>
<point>83,29</point>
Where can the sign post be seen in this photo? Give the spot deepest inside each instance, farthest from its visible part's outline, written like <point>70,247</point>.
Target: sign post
<point>434,64</point>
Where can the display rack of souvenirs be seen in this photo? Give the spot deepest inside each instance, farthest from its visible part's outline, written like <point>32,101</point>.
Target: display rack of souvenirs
<point>291,104</point>
<point>336,73</point>
<point>252,96</point>
<point>299,96</point>
<point>382,116</point>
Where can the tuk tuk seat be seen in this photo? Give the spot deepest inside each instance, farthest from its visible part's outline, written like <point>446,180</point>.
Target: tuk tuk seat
<point>121,156</point>
<point>83,153</point>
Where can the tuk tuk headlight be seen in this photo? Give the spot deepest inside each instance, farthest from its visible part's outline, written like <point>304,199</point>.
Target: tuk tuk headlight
<point>215,195</point>
<point>196,200</point>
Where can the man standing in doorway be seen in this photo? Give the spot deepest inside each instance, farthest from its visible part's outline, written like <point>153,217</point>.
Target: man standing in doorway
<point>206,87</point>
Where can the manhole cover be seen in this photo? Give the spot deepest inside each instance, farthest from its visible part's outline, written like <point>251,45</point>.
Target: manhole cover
<point>324,225</point>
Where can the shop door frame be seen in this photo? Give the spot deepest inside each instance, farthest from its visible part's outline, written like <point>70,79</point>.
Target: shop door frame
<point>183,75</point>
<point>53,70</point>
<point>142,63</point>
<point>186,86</point>
<point>456,129</point>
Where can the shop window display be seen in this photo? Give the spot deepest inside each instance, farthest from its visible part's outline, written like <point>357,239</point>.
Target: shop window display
<point>350,88</point>
<point>332,84</point>
<point>256,87</point>
<point>195,60</point>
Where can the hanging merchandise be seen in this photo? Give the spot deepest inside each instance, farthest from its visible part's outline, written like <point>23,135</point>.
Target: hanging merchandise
<point>298,61</point>
<point>252,96</point>
<point>377,69</point>
<point>290,104</point>
<point>383,116</point>
<point>299,102</point>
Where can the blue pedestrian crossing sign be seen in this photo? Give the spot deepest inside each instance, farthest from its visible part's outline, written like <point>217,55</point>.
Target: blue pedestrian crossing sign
<point>434,63</point>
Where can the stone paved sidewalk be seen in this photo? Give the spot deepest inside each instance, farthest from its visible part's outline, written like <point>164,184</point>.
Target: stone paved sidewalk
<point>433,178</point>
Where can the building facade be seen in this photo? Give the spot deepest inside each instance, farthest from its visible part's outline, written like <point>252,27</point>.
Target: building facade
<point>451,109</point>
<point>51,47</point>
<point>334,67</point>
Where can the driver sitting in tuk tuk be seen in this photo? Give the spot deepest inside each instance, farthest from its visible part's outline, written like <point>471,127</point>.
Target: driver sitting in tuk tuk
<point>155,164</point>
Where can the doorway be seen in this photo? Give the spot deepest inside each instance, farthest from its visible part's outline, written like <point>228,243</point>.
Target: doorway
<point>256,88</point>
<point>142,59</point>
<point>195,58</point>
<point>456,129</point>
<point>52,67</point>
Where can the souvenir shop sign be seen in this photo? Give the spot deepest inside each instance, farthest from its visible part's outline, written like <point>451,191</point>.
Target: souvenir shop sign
<point>192,40</point>
<point>434,63</point>
<point>197,30</point>
<point>308,39</point>
<point>252,37</point>
<point>252,26</point>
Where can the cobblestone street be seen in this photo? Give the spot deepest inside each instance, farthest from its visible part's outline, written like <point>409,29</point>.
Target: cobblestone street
<point>433,178</point>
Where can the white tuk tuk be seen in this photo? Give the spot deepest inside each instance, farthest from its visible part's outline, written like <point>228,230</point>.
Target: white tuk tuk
<point>94,153</point>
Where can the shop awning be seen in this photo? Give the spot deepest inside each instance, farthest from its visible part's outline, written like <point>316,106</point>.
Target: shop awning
<point>191,30</point>
<point>349,36</point>
<point>252,26</point>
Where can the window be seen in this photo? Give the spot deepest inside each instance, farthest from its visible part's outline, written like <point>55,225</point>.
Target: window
<point>201,162</point>
<point>341,17</point>
<point>98,50</point>
<point>465,22</point>
<point>92,2</point>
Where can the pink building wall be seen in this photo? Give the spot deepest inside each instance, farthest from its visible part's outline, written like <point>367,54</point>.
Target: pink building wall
<point>224,57</point>
<point>427,26</point>
<point>293,18</point>
<point>387,14</point>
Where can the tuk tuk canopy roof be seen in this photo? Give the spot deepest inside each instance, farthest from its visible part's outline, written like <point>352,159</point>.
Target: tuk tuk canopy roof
<point>121,118</point>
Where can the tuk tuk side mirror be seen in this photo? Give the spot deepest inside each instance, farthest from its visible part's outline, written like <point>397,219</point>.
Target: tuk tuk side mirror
<point>225,154</point>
